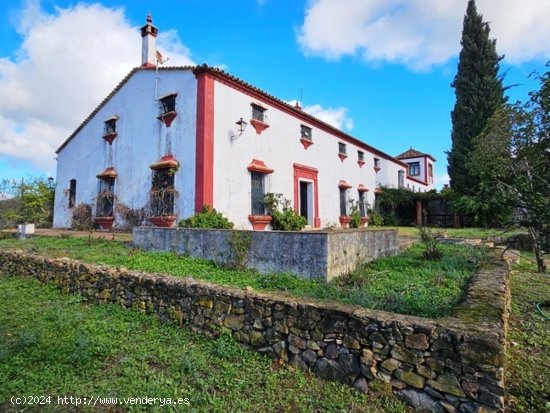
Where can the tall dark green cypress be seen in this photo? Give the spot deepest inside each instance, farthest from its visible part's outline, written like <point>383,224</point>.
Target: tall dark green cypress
<point>479,91</point>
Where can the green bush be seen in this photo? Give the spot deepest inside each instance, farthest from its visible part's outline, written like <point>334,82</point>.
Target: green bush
<point>376,219</point>
<point>207,218</point>
<point>284,218</point>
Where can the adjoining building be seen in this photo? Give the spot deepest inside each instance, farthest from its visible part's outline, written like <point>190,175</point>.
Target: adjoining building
<point>173,139</point>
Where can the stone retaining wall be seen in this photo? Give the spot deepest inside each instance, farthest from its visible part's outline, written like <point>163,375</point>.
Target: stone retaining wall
<point>445,365</point>
<point>314,254</point>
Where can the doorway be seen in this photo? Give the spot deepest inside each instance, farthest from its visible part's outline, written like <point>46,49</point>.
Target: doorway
<point>306,201</point>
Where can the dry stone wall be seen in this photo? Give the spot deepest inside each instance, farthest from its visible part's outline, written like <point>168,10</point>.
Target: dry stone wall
<point>445,365</point>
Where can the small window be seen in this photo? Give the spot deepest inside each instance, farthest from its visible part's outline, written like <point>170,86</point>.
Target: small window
<point>363,206</point>
<point>377,163</point>
<point>167,104</point>
<point>72,192</point>
<point>414,168</point>
<point>401,179</point>
<point>257,180</point>
<point>342,148</point>
<point>110,126</point>
<point>306,132</point>
<point>430,173</point>
<point>258,113</point>
<point>343,201</point>
<point>361,156</point>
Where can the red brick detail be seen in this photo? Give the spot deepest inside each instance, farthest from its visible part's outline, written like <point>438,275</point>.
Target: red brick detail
<point>365,222</point>
<point>361,163</point>
<point>344,221</point>
<point>362,188</point>
<point>204,169</point>
<point>342,156</point>
<point>376,169</point>
<point>343,184</point>
<point>163,221</point>
<point>306,142</point>
<point>166,162</point>
<point>259,125</point>
<point>309,173</point>
<point>110,137</point>
<point>259,166</point>
<point>105,223</point>
<point>107,173</point>
<point>168,118</point>
<point>259,222</point>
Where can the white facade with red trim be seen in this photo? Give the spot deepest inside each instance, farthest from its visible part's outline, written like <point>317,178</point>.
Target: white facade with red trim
<point>215,160</point>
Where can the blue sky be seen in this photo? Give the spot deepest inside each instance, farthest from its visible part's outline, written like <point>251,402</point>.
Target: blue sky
<point>379,69</point>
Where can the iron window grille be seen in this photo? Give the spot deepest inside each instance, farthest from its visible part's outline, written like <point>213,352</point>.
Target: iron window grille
<point>401,179</point>
<point>306,132</point>
<point>257,180</point>
<point>343,201</point>
<point>342,148</point>
<point>72,192</point>
<point>109,127</point>
<point>376,163</point>
<point>360,155</point>
<point>258,113</point>
<point>106,198</point>
<point>167,104</point>
<point>414,168</point>
<point>162,192</point>
<point>363,209</point>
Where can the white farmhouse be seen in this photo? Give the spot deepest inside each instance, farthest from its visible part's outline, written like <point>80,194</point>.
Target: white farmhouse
<point>177,138</point>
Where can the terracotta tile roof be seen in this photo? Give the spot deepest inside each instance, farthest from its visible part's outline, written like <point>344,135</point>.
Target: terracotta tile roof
<point>225,77</point>
<point>413,153</point>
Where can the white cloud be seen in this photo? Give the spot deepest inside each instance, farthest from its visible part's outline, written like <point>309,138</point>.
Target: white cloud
<point>336,117</point>
<point>441,180</point>
<point>421,33</point>
<point>67,63</point>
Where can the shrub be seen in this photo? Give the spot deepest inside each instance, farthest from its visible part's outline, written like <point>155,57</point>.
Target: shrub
<point>284,218</point>
<point>376,219</point>
<point>431,243</point>
<point>207,218</point>
<point>239,244</point>
<point>132,217</point>
<point>82,217</point>
<point>355,214</point>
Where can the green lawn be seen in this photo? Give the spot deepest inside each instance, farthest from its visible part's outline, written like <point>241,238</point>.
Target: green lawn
<point>54,344</point>
<point>406,284</point>
<point>527,371</point>
<point>481,233</point>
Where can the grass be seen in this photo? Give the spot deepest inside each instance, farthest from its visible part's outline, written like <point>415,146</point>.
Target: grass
<point>54,344</point>
<point>527,379</point>
<point>481,233</point>
<point>405,284</point>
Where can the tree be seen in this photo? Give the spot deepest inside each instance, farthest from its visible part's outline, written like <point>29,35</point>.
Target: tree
<point>512,158</point>
<point>479,92</point>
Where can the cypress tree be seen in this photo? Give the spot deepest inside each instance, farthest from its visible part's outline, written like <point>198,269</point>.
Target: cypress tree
<point>479,92</point>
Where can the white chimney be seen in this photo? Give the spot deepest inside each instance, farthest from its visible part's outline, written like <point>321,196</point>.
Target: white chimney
<point>149,43</point>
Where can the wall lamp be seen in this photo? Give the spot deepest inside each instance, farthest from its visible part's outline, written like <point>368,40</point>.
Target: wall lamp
<point>241,126</point>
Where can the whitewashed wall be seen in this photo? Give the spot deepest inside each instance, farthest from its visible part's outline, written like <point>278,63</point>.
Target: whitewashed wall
<point>140,141</point>
<point>418,187</point>
<point>279,147</point>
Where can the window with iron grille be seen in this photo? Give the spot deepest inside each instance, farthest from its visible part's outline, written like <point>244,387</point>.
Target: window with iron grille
<point>167,104</point>
<point>376,163</point>
<point>401,179</point>
<point>306,132</point>
<point>106,198</point>
<point>363,207</point>
<point>360,155</point>
<point>72,192</point>
<point>343,201</point>
<point>257,180</point>
<point>258,113</point>
<point>414,168</point>
<point>109,127</point>
<point>342,148</point>
<point>162,192</point>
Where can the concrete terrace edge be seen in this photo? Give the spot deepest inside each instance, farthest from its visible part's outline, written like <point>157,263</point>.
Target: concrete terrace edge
<point>453,364</point>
